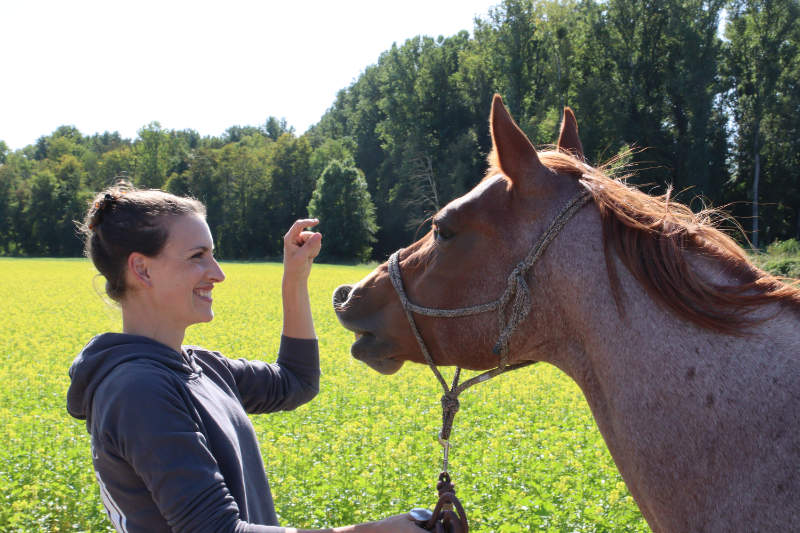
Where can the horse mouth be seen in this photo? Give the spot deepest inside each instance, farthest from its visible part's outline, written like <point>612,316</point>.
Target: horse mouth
<point>375,353</point>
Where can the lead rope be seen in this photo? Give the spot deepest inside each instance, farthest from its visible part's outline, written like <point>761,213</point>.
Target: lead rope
<point>513,305</point>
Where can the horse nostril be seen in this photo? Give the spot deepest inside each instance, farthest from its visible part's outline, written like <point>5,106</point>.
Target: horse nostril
<point>341,294</point>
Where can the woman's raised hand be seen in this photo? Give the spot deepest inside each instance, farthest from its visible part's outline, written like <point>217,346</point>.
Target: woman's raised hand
<point>300,247</point>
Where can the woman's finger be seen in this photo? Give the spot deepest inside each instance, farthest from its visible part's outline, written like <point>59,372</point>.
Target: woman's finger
<point>313,243</point>
<point>305,235</point>
<point>297,228</point>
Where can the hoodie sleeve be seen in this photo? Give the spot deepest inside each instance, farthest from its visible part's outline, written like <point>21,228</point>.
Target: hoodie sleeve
<point>282,386</point>
<point>144,420</point>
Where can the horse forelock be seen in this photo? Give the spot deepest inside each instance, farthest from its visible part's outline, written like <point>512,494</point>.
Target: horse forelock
<point>655,237</point>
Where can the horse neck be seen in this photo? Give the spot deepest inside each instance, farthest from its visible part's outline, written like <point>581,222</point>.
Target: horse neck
<point>681,409</point>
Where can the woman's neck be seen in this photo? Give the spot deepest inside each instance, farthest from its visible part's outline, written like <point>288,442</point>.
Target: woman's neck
<point>138,320</point>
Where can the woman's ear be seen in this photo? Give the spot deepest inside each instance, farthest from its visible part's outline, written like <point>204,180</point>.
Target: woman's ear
<point>139,269</point>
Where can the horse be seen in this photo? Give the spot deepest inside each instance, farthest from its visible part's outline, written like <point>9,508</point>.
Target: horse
<point>687,354</point>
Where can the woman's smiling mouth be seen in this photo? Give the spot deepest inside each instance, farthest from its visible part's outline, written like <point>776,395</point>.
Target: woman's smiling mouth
<point>204,294</point>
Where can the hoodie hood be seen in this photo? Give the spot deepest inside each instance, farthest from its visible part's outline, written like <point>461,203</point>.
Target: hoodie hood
<point>107,351</point>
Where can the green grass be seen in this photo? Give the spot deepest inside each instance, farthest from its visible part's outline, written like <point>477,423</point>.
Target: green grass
<point>526,453</point>
<point>781,258</point>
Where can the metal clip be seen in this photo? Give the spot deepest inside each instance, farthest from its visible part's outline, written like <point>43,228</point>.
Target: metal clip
<point>446,445</point>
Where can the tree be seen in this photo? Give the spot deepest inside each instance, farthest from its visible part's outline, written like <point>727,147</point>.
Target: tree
<point>291,186</point>
<point>111,167</point>
<point>42,216</point>
<point>101,143</point>
<point>151,157</point>
<point>234,134</point>
<point>203,181</point>
<point>513,35</point>
<point>16,177</point>
<point>72,198</point>
<point>7,184</point>
<point>343,205</point>
<point>246,227</point>
<point>330,149</point>
<point>642,73</point>
<point>274,128</point>
<point>762,48</point>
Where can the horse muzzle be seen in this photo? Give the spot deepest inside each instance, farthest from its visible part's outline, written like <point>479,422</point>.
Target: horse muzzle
<point>368,346</point>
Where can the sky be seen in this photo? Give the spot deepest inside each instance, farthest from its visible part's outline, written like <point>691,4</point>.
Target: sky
<point>117,66</point>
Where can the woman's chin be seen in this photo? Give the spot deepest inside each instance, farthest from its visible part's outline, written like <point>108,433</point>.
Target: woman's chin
<point>203,316</point>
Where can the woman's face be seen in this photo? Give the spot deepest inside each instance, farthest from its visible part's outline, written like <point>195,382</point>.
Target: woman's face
<point>184,273</point>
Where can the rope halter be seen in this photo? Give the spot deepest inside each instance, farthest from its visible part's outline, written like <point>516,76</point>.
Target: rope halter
<point>512,307</point>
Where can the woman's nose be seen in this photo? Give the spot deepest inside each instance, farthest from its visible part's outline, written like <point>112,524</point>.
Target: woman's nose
<point>218,274</point>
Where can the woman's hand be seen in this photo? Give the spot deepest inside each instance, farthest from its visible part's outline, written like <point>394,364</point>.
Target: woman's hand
<point>400,523</point>
<point>300,247</point>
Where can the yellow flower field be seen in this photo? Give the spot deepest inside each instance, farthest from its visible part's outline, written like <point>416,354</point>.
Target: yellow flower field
<point>526,453</point>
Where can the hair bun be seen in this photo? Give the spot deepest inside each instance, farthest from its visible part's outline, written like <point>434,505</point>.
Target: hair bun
<point>100,207</point>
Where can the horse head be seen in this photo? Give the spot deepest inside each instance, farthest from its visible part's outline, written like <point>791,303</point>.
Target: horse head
<point>465,259</point>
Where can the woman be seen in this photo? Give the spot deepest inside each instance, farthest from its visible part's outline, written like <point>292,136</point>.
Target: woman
<point>172,446</point>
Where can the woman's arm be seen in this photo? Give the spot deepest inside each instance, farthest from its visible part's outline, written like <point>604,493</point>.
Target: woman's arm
<point>401,523</point>
<point>263,387</point>
<point>294,379</point>
<point>300,247</point>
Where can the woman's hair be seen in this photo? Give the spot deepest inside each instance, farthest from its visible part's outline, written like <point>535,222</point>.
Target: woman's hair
<point>121,220</point>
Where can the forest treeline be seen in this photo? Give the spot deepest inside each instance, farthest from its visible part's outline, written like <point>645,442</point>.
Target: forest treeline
<point>705,92</point>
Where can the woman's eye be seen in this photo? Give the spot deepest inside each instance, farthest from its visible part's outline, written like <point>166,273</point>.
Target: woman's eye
<point>198,255</point>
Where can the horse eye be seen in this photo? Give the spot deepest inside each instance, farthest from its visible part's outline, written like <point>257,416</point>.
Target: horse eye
<point>441,234</point>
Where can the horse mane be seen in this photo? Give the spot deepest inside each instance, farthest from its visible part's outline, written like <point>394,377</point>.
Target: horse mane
<point>654,237</point>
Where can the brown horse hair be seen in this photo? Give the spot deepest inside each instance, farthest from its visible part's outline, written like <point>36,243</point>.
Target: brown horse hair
<point>654,237</point>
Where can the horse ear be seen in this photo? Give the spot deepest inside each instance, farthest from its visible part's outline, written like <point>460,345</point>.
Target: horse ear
<point>512,152</point>
<point>568,139</point>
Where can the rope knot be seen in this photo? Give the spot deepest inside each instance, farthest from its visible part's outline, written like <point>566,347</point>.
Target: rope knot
<point>513,311</point>
<point>445,484</point>
<point>450,404</point>
<point>450,407</point>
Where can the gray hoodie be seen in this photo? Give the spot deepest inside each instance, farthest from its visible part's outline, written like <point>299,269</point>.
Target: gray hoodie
<point>172,446</point>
